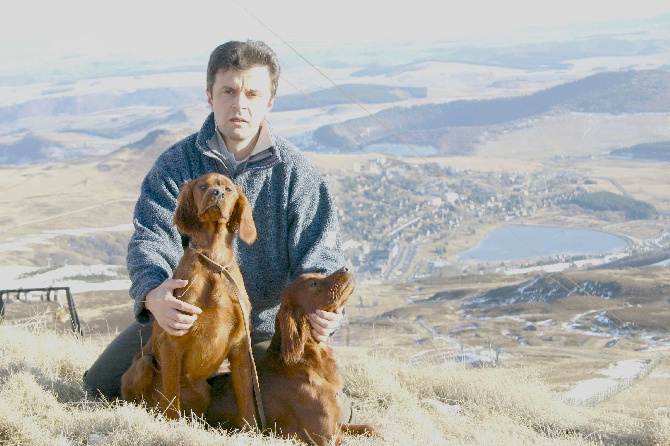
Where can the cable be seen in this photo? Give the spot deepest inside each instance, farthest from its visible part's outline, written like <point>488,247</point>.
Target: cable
<point>402,141</point>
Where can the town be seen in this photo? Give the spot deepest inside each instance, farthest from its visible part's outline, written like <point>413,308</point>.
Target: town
<point>405,220</point>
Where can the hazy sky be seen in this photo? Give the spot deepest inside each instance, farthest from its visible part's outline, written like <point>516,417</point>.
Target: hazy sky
<point>195,27</point>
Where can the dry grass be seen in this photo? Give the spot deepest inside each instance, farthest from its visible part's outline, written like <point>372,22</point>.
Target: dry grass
<point>42,402</point>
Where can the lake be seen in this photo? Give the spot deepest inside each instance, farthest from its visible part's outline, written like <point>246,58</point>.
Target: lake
<point>521,243</point>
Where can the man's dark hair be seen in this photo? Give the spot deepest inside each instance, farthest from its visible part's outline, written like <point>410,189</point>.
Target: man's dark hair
<point>236,55</point>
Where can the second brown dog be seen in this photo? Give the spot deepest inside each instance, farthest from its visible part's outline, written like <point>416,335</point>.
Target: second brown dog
<point>299,377</point>
<point>171,372</point>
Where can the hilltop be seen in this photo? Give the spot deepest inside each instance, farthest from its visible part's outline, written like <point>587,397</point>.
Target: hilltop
<point>42,402</point>
<point>457,127</point>
<point>454,128</point>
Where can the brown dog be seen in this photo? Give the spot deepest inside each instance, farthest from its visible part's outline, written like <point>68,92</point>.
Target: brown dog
<point>171,371</point>
<point>299,378</point>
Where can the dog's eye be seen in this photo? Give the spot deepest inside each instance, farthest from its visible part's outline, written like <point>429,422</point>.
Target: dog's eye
<point>203,186</point>
<point>228,189</point>
<point>313,284</point>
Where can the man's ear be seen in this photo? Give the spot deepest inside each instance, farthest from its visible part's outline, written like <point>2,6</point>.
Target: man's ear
<point>210,100</point>
<point>271,103</point>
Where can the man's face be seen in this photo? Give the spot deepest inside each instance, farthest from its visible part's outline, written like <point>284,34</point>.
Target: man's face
<point>240,101</point>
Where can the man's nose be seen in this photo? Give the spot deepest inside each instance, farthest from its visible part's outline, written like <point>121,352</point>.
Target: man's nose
<point>240,101</point>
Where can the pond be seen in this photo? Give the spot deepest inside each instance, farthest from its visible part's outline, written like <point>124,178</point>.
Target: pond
<point>516,243</point>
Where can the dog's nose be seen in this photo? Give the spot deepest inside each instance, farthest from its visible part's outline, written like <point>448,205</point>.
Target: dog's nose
<point>216,192</point>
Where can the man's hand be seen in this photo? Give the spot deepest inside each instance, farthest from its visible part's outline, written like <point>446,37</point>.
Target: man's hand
<point>173,315</point>
<point>325,324</point>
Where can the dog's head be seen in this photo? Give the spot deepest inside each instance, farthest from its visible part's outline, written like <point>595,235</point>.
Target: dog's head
<point>307,293</point>
<point>212,202</point>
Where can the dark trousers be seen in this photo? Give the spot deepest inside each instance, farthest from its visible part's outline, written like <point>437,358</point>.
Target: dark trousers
<point>103,379</point>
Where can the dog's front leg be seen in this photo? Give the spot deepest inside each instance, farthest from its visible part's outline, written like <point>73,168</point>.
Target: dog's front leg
<point>240,366</point>
<point>170,368</point>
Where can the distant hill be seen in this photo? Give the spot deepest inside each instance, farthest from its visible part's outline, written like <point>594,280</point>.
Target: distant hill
<point>36,149</point>
<point>364,93</point>
<point>30,148</point>
<point>94,102</point>
<point>531,51</point>
<point>188,96</point>
<point>608,201</point>
<point>27,150</point>
<point>453,127</point>
<point>657,151</point>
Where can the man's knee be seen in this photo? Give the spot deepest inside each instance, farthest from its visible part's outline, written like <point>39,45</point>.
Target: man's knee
<point>105,388</point>
<point>103,378</point>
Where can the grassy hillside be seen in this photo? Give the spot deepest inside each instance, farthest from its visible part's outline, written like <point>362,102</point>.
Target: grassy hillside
<point>42,402</point>
<point>421,361</point>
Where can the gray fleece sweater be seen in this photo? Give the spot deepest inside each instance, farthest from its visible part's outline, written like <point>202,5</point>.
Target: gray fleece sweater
<point>293,209</point>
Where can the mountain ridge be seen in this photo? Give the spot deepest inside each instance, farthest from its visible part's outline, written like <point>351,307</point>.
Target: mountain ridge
<point>452,128</point>
<point>632,91</point>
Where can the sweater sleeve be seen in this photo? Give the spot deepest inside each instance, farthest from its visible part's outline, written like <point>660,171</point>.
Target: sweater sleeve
<point>155,247</point>
<point>314,235</point>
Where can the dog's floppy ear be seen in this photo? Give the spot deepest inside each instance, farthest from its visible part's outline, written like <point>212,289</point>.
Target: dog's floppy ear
<point>242,220</point>
<point>186,216</point>
<point>295,330</point>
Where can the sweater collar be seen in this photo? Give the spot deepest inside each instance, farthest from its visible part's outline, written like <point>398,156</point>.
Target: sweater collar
<point>263,143</point>
<point>265,147</point>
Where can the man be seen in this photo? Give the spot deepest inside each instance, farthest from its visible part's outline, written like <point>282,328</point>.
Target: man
<point>292,207</point>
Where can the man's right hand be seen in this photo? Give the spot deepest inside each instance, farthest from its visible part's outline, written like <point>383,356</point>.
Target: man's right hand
<point>173,315</point>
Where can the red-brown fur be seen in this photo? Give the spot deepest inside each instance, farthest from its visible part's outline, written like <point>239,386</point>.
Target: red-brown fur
<point>171,372</point>
<point>299,378</point>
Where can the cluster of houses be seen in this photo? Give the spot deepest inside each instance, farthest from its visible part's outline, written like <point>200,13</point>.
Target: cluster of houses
<point>397,218</point>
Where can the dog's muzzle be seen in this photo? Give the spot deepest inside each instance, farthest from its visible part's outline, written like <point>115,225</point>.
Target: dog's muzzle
<point>217,193</point>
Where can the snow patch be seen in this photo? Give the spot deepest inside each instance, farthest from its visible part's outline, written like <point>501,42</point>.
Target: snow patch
<point>45,237</point>
<point>73,276</point>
